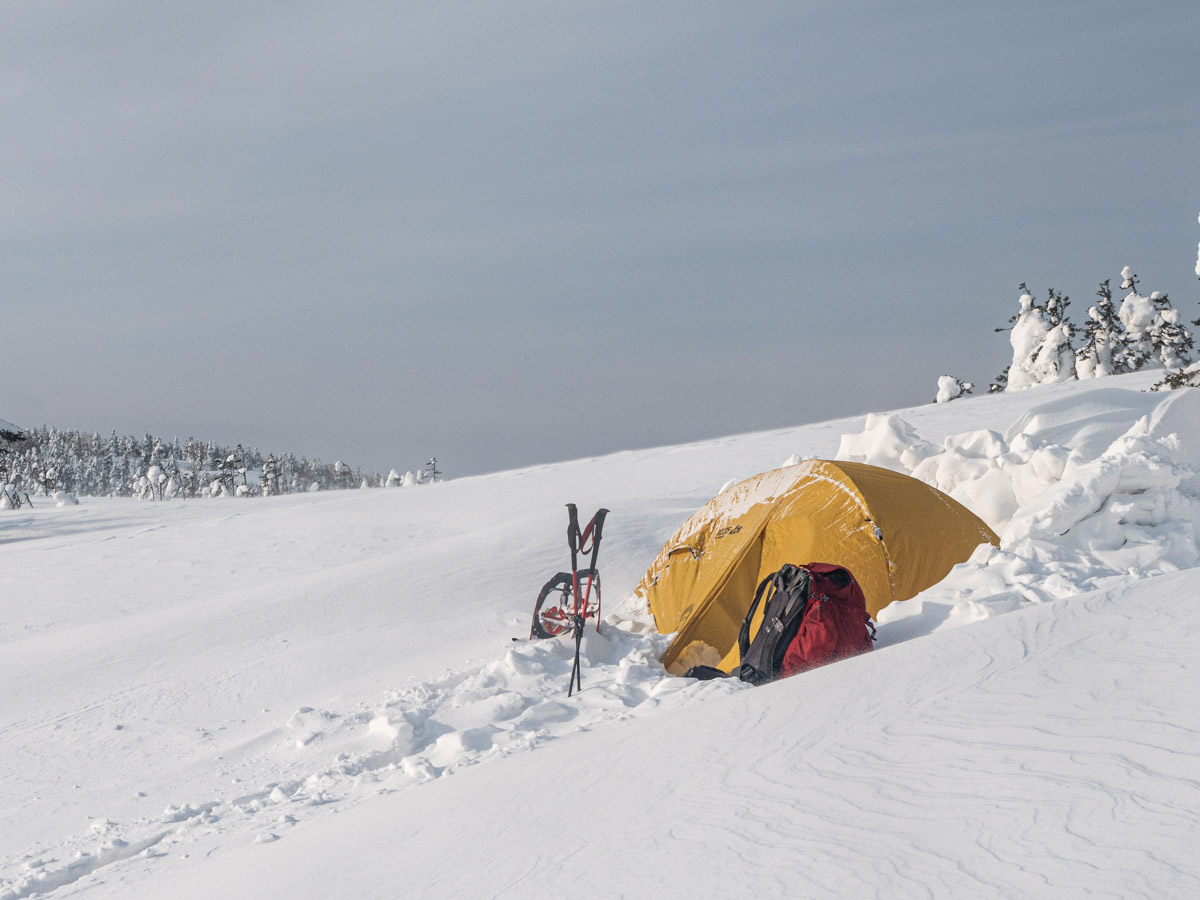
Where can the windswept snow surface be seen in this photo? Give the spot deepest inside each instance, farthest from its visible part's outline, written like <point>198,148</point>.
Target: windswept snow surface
<point>265,698</point>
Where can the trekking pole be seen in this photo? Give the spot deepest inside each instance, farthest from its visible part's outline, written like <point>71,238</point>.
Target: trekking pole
<point>596,526</point>
<point>573,542</point>
<point>577,540</point>
<point>576,674</point>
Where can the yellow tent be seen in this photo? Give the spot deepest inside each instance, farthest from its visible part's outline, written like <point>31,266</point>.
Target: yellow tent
<point>896,534</point>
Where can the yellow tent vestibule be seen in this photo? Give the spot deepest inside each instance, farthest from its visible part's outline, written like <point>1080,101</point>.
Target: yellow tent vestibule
<point>896,534</point>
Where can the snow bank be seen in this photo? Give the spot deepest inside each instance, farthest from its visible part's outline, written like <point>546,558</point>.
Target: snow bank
<point>1080,500</point>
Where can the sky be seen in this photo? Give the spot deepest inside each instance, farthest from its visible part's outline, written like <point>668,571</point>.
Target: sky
<point>513,233</point>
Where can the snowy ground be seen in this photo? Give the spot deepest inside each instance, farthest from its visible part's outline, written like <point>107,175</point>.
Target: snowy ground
<point>264,698</point>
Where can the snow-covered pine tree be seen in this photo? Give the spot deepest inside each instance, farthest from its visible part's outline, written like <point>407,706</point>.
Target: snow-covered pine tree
<point>1056,307</point>
<point>1173,343</point>
<point>240,467</point>
<point>951,388</point>
<point>343,475</point>
<point>1029,317</point>
<point>1137,315</point>
<point>1103,351</point>
<point>225,475</point>
<point>1041,342</point>
<point>1180,378</point>
<point>1054,361</point>
<point>270,476</point>
<point>1157,336</point>
<point>289,466</point>
<point>431,473</point>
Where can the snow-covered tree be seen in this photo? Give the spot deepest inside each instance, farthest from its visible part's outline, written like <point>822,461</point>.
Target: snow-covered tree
<point>950,388</point>
<point>1056,307</point>
<point>1156,334</point>
<point>270,483</point>
<point>343,475</point>
<point>1041,342</point>
<point>1137,315</point>
<point>431,472</point>
<point>1180,378</point>
<point>156,483</point>
<point>1172,340</point>
<point>1104,349</point>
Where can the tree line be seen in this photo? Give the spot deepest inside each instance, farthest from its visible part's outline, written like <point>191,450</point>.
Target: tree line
<point>1139,331</point>
<point>47,460</point>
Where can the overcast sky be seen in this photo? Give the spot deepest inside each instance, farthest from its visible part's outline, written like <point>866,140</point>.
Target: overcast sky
<point>517,232</point>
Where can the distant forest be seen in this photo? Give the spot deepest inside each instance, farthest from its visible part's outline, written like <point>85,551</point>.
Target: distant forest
<point>50,459</point>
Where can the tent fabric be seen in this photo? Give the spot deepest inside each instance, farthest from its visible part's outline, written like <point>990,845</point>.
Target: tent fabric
<point>896,534</point>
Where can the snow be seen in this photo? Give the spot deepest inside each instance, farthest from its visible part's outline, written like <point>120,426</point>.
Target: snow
<point>319,694</point>
<point>1041,342</point>
<point>1027,335</point>
<point>1055,360</point>
<point>886,441</point>
<point>1032,755</point>
<point>950,388</point>
<point>1083,492</point>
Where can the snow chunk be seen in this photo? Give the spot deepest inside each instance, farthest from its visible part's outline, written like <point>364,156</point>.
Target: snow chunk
<point>886,441</point>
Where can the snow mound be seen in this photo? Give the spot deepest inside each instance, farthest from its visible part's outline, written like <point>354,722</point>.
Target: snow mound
<point>1080,499</point>
<point>886,441</point>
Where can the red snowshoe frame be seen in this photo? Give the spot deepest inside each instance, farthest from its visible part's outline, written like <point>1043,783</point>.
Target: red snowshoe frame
<point>566,601</point>
<point>556,603</point>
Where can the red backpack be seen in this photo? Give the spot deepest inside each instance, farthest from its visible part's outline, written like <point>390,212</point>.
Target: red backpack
<point>835,624</point>
<point>812,615</point>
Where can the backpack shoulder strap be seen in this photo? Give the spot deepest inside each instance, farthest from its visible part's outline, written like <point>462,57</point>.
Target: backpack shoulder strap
<point>744,634</point>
